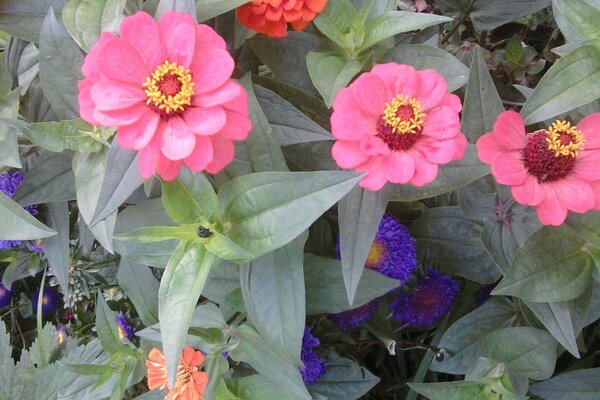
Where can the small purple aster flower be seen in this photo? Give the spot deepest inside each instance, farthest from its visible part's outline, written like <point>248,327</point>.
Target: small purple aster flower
<point>430,299</point>
<point>394,251</point>
<point>314,367</point>
<point>5,296</point>
<point>9,183</point>
<point>124,329</point>
<point>36,248</point>
<point>62,335</point>
<point>50,300</point>
<point>350,319</point>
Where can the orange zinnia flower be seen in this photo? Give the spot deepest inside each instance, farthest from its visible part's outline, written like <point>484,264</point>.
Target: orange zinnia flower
<point>270,17</point>
<point>190,383</point>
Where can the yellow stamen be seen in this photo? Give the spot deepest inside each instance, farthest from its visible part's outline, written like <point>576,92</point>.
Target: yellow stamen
<point>375,254</point>
<point>555,136</point>
<point>166,102</point>
<point>396,117</point>
<point>121,332</point>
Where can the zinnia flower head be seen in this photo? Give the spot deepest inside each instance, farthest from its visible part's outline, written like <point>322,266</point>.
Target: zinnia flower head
<point>271,17</point>
<point>166,87</point>
<point>190,382</point>
<point>396,124</point>
<point>124,330</point>
<point>50,300</point>
<point>554,170</point>
<point>430,299</point>
<point>6,296</point>
<point>9,183</point>
<point>314,367</point>
<point>350,319</point>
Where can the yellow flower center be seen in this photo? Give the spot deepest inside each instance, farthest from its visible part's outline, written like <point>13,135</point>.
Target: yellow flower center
<point>375,255</point>
<point>404,115</point>
<point>121,332</point>
<point>169,89</point>
<point>564,139</point>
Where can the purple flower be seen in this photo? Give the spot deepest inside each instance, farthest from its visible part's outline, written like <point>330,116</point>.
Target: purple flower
<point>349,319</point>
<point>393,252</point>
<point>314,367</point>
<point>36,248</point>
<point>5,296</point>
<point>124,329</point>
<point>62,335</point>
<point>9,183</point>
<point>430,299</point>
<point>50,300</point>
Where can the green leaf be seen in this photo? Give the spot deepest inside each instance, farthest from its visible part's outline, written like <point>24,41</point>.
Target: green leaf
<point>325,289</point>
<point>25,18</point>
<point>289,124</point>
<point>426,57</point>
<point>391,23</point>
<point>454,244</point>
<point>89,169</point>
<point>190,198</point>
<point>344,379</point>
<point>180,288</point>
<point>85,19</point>
<point>226,249</point>
<point>9,151</point>
<point>60,67</point>
<point>263,211</point>
<point>330,73</point>
<point>482,102</point>
<point>277,279</point>
<point>458,390</point>
<point>577,19</point>
<point>257,387</point>
<point>76,135</point>
<point>450,177</point>
<point>207,9</point>
<point>141,287</point>
<point>574,80</point>
<point>586,225</point>
<point>553,265</point>
<point>526,351</point>
<point>490,14</point>
<point>56,248</point>
<point>462,339</point>
<point>186,6</point>
<point>335,21</point>
<point>256,351</point>
<point>582,384</point>
<point>222,280</point>
<point>106,326</point>
<point>152,234</point>
<point>18,224</point>
<point>360,213</point>
<point>556,317</point>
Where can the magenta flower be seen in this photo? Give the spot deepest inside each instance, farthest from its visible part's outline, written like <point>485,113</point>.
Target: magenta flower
<point>554,170</point>
<point>166,87</point>
<point>396,124</point>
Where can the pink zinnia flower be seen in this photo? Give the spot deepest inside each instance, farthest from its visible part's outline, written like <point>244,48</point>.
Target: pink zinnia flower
<point>166,87</point>
<point>553,170</point>
<point>397,124</point>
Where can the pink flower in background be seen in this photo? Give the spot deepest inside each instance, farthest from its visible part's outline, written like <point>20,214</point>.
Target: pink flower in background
<point>166,87</point>
<point>396,124</point>
<point>554,170</point>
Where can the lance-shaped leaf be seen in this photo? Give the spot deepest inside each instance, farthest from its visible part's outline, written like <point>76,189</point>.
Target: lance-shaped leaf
<point>180,288</point>
<point>330,73</point>
<point>581,384</point>
<point>107,329</point>
<point>207,9</point>
<point>75,135</point>
<point>24,18</point>
<point>578,20</point>
<point>18,224</point>
<point>56,248</point>
<point>268,210</point>
<point>225,248</point>
<point>85,19</point>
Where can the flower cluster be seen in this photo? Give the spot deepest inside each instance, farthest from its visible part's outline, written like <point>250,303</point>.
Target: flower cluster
<point>9,183</point>
<point>554,170</point>
<point>166,87</point>
<point>314,367</point>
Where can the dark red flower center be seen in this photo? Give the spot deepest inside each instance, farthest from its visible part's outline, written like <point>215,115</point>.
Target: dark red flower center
<point>550,155</point>
<point>169,85</point>
<point>401,123</point>
<point>169,89</point>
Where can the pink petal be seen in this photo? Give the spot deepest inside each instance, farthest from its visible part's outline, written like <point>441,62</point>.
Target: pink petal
<point>460,142</point>
<point>149,158</point>
<point>141,32</point>
<point>550,211</point>
<point>425,172</point>
<point>202,154</point>
<point>237,127</point>
<point>205,121</point>
<point>121,62</point>
<point>168,169</point>
<point>125,116</point>
<point>530,193</point>
<point>86,104</point>
<point>139,134</point>
<point>509,130</point>
<point>374,146</point>
<point>441,123</point>
<point>180,45</point>
<point>575,194</point>
<point>452,101</point>
<point>586,165</point>
<point>91,64</point>
<point>223,152</point>
<point>211,69</point>
<point>347,121</point>
<point>375,178</point>
<point>238,105</point>
<point>432,90</point>
<point>371,94</point>
<point>114,95</point>
<point>177,140</point>
<point>208,39</point>
<point>226,93</point>
<point>488,148</point>
<point>347,154</point>
<point>401,79</point>
<point>509,170</point>
<point>399,167</point>
<point>596,188</point>
<point>440,151</point>
<point>590,126</point>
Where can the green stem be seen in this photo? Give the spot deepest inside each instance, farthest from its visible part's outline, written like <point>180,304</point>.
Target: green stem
<point>40,327</point>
